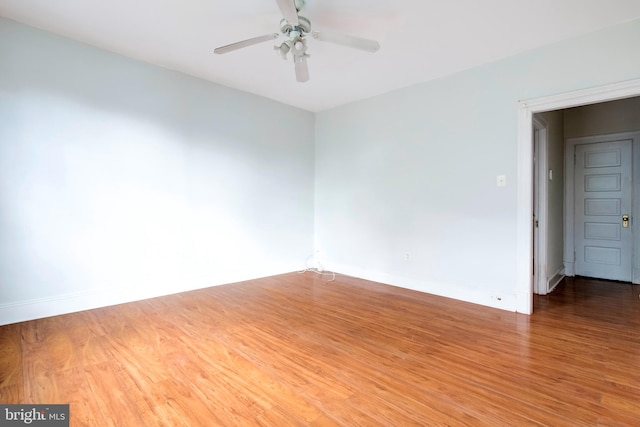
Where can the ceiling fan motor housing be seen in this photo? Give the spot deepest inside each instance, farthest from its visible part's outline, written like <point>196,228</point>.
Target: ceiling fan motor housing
<point>303,27</point>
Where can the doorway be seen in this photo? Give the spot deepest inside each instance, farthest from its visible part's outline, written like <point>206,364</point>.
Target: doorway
<point>525,187</point>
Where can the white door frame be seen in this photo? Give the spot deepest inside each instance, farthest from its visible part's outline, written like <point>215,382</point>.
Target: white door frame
<point>526,109</point>
<point>569,200</point>
<point>540,231</point>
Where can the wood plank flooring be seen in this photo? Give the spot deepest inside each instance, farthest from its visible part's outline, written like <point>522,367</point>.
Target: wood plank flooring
<point>298,350</point>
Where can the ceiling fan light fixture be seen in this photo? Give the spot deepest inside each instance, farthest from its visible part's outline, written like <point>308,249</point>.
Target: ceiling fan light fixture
<point>283,49</point>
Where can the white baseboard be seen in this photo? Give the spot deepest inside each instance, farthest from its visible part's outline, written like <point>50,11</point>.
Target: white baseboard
<point>79,301</point>
<point>38,308</point>
<point>555,279</point>
<point>569,269</point>
<point>504,302</point>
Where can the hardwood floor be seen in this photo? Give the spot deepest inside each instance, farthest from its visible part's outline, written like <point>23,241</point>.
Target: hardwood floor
<point>297,350</point>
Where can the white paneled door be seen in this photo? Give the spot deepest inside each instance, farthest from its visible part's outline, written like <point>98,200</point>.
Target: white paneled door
<point>603,205</point>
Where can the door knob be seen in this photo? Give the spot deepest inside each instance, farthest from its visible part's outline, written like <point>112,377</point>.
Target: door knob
<point>625,221</point>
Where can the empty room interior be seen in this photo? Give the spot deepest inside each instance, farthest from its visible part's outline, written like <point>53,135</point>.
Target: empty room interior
<point>407,213</point>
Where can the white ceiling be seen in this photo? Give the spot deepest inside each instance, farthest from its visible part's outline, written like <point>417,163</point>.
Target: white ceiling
<point>420,39</point>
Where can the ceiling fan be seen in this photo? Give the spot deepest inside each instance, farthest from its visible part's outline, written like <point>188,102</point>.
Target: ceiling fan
<point>295,28</point>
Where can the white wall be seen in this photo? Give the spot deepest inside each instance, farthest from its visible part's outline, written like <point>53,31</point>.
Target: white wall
<point>415,170</point>
<point>120,180</point>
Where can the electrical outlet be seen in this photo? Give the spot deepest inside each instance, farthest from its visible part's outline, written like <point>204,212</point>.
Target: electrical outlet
<point>407,256</point>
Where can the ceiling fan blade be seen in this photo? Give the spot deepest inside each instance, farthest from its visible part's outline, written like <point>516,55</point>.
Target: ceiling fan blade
<point>245,43</point>
<point>302,70</point>
<point>346,40</point>
<point>289,11</point>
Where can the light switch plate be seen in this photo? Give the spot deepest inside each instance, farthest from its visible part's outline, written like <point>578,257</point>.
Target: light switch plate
<point>501,180</point>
